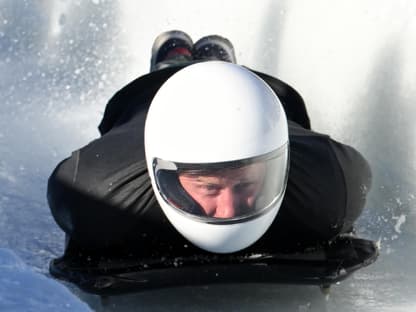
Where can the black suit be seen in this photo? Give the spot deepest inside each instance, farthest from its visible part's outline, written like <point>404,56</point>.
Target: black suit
<point>102,197</point>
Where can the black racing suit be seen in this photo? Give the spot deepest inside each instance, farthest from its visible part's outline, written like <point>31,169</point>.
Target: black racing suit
<point>102,197</point>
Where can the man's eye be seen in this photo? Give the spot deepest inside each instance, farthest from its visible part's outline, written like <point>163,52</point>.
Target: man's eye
<point>210,189</point>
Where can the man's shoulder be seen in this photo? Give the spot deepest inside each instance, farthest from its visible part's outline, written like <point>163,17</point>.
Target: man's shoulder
<point>152,79</point>
<point>308,142</point>
<point>290,98</point>
<point>298,131</point>
<point>136,95</point>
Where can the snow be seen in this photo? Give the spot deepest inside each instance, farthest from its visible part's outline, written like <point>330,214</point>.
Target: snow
<point>352,61</point>
<point>400,221</point>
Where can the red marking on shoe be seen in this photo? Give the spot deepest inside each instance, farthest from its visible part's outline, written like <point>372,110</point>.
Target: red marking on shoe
<point>179,51</point>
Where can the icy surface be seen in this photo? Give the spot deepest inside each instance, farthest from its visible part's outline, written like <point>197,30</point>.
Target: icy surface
<point>352,61</point>
<point>21,289</point>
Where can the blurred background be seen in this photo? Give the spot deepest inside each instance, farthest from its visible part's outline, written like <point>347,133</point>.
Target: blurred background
<point>60,62</point>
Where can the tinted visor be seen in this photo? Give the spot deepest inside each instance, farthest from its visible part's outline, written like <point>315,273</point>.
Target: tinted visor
<point>224,191</point>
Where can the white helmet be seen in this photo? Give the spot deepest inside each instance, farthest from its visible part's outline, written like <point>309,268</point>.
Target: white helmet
<point>216,142</point>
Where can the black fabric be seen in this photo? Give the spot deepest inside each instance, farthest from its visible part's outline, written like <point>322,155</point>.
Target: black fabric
<point>102,198</point>
<point>140,91</point>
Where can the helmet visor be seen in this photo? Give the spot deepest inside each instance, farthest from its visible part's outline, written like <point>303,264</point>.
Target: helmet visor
<point>224,192</point>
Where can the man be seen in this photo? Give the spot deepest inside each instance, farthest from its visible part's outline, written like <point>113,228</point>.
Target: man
<point>212,153</point>
<point>225,194</point>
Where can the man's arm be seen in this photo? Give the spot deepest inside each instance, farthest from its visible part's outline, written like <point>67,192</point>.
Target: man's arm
<point>326,190</point>
<point>357,178</point>
<point>98,194</point>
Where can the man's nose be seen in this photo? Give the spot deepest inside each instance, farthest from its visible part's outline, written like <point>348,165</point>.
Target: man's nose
<point>227,204</point>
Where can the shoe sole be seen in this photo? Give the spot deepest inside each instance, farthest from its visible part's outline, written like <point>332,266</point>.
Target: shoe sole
<point>222,42</point>
<point>163,38</point>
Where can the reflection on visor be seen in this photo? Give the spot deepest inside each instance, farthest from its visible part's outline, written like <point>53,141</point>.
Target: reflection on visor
<point>226,191</point>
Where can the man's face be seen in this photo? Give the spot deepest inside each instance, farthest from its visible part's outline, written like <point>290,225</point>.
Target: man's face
<point>228,193</point>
